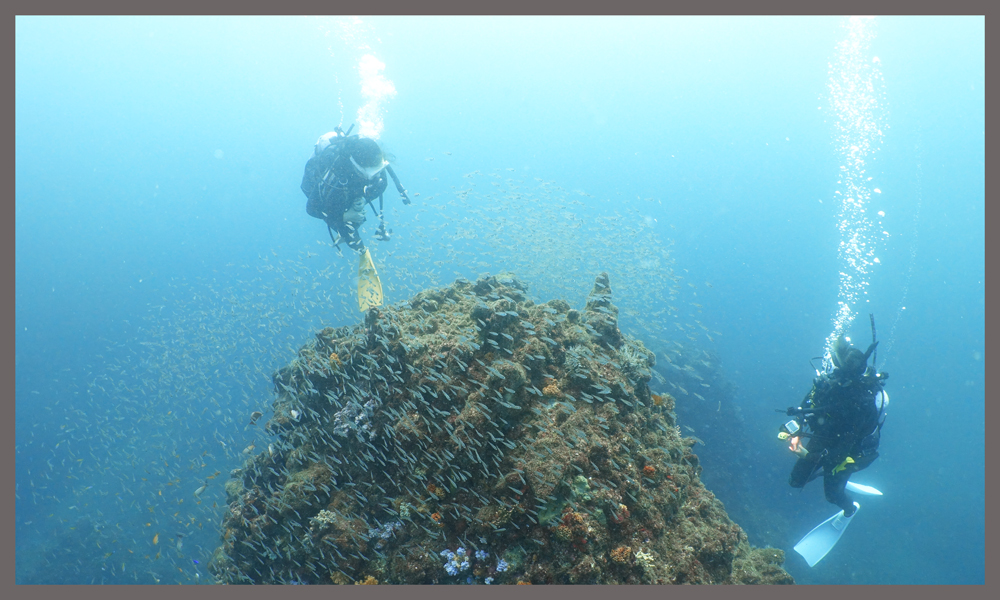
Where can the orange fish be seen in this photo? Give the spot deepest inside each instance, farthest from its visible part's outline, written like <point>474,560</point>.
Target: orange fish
<point>156,539</point>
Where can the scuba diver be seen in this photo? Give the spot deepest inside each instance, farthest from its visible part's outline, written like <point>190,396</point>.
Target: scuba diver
<point>842,417</point>
<point>345,173</point>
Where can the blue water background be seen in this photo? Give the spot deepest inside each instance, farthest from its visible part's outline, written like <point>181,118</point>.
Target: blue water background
<point>124,206</point>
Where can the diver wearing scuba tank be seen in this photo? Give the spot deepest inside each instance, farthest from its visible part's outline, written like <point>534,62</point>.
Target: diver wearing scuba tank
<point>344,174</point>
<point>842,418</point>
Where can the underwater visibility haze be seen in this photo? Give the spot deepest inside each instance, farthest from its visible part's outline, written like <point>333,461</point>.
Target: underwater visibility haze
<point>623,241</point>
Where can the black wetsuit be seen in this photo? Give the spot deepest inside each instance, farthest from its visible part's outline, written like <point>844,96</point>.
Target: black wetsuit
<point>333,186</point>
<point>844,421</point>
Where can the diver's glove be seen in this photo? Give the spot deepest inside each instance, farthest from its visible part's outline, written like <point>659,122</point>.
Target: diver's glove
<point>383,234</point>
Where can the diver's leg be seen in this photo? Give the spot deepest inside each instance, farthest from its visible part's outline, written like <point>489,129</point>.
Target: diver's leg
<point>800,473</point>
<point>833,488</point>
<point>347,233</point>
<point>353,218</point>
<point>863,462</point>
<point>353,237</point>
<point>350,234</point>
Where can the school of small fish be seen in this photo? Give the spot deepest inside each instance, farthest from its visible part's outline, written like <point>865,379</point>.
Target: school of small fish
<point>160,415</point>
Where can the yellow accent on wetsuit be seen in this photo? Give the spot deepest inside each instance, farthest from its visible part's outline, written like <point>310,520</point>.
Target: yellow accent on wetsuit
<point>842,466</point>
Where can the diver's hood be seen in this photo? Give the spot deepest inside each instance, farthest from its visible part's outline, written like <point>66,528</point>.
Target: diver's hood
<point>850,362</point>
<point>370,172</point>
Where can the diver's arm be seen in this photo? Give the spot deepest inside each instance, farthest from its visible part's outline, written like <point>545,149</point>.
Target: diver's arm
<point>399,186</point>
<point>375,190</point>
<point>315,166</point>
<point>798,448</point>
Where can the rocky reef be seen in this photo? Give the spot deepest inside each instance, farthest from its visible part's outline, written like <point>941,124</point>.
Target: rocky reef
<point>470,435</point>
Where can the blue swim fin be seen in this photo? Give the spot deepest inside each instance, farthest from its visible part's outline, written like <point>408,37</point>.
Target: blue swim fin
<point>814,546</point>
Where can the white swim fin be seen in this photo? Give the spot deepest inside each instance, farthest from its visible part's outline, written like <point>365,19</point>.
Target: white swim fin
<point>863,489</point>
<point>815,545</point>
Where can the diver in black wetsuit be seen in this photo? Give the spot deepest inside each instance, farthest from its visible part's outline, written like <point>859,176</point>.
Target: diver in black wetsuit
<point>345,173</point>
<point>842,416</point>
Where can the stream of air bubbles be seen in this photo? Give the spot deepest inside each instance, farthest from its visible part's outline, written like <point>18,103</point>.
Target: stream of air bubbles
<point>355,35</point>
<point>857,98</point>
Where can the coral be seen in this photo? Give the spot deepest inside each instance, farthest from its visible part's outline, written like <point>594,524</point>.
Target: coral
<point>665,400</point>
<point>367,581</point>
<point>620,515</point>
<point>564,533</point>
<point>576,361</point>
<point>323,520</point>
<point>635,360</point>
<point>552,390</point>
<point>455,562</point>
<point>523,435</point>
<point>621,554</point>
<point>644,558</point>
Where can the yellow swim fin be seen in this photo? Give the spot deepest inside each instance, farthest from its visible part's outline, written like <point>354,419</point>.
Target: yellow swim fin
<point>369,285</point>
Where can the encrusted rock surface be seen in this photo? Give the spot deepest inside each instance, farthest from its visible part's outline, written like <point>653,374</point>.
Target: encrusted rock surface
<point>473,436</point>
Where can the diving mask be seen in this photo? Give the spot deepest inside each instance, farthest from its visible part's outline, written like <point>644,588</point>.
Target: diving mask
<point>370,172</point>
